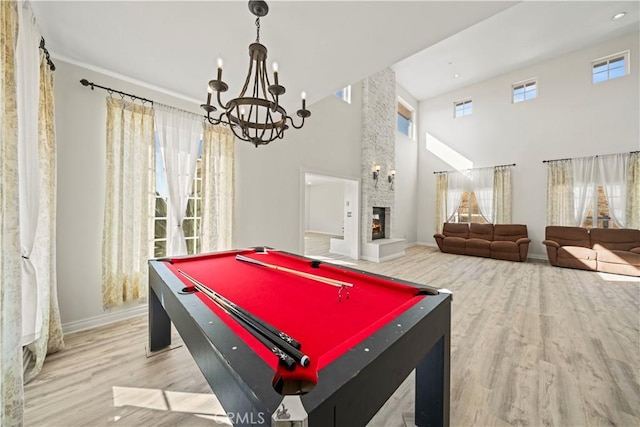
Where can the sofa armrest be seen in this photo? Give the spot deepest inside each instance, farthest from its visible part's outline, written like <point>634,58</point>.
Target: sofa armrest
<point>523,247</point>
<point>439,239</point>
<point>552,251</point>
<point>522,240</point>
<point>635,250</point>
<point>551,243</point>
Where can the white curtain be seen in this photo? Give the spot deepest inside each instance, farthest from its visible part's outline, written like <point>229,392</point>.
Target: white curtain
<point>633,191</point>
<point>502,195</point>
<point>11,388</point>
<point>584,189</point>
<point>457,183</point>
<point>560,193</point>
<point>482,185</point>
<point>179,134</point>
<point>27,87</point>
<point>441,199</point>
<point>218,188</point>
<point>613,177</point>
<point>127,241</point>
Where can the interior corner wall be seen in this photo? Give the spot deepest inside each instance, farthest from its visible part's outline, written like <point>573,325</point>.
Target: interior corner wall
<point>378,147</point>
<point>270,185</point>
<point>406,181</point>
<point>81,166</point>
<point>571,117</point>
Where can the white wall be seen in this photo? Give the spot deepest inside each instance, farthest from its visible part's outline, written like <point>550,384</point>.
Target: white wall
<point>326,208</point>
<point>81,134</point>
<point>270,183</point>
<point>406,183</point>
<point>570,118</point>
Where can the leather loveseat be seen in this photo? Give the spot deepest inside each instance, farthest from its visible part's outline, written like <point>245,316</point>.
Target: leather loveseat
<point>598,249</point>
<point>498,241</point>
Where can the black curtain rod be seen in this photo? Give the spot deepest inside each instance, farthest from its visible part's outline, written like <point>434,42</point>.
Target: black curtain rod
<point>85,82</point>
<point>601,155</point>
<point>52,66</point>
<point>486,167</point>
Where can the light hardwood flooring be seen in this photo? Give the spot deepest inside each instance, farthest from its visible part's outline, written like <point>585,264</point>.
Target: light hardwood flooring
<point>532,345</point>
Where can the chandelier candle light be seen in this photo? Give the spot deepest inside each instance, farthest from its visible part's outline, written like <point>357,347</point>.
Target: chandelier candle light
<point>256,117</point>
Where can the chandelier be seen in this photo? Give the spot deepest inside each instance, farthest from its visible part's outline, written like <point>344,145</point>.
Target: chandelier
<point>255,116</point>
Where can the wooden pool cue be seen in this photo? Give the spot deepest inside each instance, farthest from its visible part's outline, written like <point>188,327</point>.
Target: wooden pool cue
<point>258,328</point>
<point>326,280</point>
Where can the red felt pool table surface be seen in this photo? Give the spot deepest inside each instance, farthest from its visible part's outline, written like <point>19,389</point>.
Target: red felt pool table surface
<point>307,310</point>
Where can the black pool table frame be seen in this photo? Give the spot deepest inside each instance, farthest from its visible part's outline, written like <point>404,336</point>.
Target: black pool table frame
<point>350,390</point>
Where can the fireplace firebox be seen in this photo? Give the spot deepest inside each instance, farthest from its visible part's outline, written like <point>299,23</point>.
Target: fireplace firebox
<point>378,223</point>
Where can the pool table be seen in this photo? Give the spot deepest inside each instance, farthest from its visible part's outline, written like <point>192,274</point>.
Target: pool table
<point>362,341</point>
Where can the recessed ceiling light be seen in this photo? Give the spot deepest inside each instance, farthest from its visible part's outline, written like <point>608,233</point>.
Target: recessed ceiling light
<point>618,16</point>
<point>308,182</point>
<point>455,76</point>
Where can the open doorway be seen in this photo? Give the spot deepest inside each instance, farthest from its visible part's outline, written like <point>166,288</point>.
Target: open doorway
<point>331,216</point>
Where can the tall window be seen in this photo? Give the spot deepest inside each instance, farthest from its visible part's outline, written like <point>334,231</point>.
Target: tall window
<point>462,108</point>
<point>610,67</point>
<point>344,94</point>
<point>405,119</point>
<point>191,224</point>
<point>603,218</point>
<point>524,91</point>
<point>468,210</point>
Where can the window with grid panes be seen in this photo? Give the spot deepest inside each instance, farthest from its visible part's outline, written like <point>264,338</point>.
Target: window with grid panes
<point>524,91</point>
<point>610,67</point>
<point>462,108</point>
<point>405,120</point>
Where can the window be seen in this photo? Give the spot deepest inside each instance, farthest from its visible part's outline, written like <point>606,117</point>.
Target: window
<point>463,108</point>
<point>524,91</point>
<point>468,210</point>
<point>193,216</point>
<point>344,94</point>
<point>611,67</point>
<point>405,118</point>
<point>603,218</point>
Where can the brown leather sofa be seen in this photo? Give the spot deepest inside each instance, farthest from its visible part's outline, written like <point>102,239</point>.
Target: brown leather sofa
<point>498,241</point>
<point>598,249</point>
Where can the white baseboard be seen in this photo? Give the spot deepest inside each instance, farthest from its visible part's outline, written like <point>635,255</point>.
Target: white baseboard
<point>430,244</point>
<point>538,256</point>
<point>410,245</point>
<point>104,319</point>
<point>326,233</point>
<point>383,259</point>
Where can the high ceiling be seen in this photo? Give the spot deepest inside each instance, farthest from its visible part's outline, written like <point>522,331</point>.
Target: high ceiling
<point>322,46</point>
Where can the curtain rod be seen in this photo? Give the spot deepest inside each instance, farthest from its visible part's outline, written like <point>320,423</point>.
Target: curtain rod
<point>52,66</point>
<point>111,91</point>
<point>574,158</point>
<point>486,167</point>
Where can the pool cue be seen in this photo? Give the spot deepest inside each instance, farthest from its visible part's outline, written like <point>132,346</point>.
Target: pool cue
<point>252,324</point>
<point>326,280</point>
<point>290,340</point>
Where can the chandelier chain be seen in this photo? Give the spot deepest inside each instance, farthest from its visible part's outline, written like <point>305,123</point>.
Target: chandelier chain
<point>258,30</point>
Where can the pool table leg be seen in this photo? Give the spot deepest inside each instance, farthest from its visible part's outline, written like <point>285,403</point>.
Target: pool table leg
<point>432,386</point>
<point>159,323</point>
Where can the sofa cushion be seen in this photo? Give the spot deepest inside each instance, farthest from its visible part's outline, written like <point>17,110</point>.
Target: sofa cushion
<point>454,245</point>
<point>481,231</point>
<point>568,236</point>
<point>452,229</point>
<point>618,257</point>
<point>576,252</point>
<point>478,247</point>
<point>615,239</point>
<point>509,232</point>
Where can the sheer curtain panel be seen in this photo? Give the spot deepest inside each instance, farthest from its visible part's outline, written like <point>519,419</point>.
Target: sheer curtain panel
<point>502,195</point>
<point>218,188</point>
<point>633,191</point>
<point>584,189</point>
<point>50,337</point>
<point>457,183</point>
<point>482,186</point>
<point>127,238</point>
<point>560,193</point>
<point>11,388</point>
<point>441,201</point>
<point>179,134</point>
<point>613,176</point>
<point>27,88</point>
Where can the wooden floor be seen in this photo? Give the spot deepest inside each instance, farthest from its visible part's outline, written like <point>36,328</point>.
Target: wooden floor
<point>532,345</point>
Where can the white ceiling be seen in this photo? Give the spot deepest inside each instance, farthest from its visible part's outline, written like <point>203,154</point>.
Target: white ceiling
<point>322,46</point>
